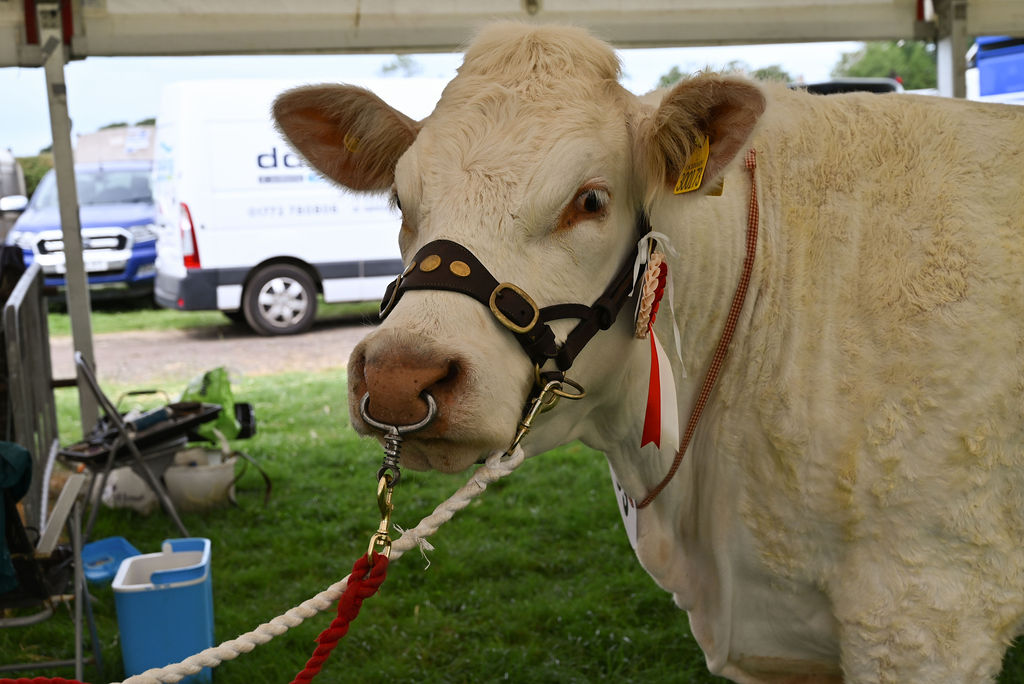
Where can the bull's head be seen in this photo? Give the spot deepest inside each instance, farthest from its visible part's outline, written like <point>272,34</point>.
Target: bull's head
<point>538,162</point>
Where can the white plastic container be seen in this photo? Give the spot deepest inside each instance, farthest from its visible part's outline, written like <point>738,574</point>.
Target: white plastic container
<point>201,479</point>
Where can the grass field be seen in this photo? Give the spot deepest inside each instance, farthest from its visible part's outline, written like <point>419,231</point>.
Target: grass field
<point>534,582</point>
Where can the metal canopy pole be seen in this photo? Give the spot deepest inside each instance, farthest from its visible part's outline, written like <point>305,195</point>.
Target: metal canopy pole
<point>51,41</point>
<point>951,47</point>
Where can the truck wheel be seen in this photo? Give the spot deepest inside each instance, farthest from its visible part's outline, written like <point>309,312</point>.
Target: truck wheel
<point>279,300</point>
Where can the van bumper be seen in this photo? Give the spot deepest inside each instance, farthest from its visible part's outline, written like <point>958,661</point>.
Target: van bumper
<point>197,290</point>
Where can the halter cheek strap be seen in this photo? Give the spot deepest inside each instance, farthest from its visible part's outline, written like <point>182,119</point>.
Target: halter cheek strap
<point>447,265</point>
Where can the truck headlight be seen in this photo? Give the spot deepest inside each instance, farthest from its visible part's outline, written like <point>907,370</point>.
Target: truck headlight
<point>22,239</point>
<point>143,232</point>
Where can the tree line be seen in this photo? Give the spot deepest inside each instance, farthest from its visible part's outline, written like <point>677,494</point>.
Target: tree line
<point>912,63</point>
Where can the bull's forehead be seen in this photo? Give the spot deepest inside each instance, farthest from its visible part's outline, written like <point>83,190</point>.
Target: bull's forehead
<point>517,149</point>
<point>533,113</point>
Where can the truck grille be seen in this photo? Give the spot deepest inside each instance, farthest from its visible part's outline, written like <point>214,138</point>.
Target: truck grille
<point>91,242</point>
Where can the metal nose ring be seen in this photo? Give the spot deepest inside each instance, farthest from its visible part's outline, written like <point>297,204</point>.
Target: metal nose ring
<point>393,434</point>
<point>364,413</point>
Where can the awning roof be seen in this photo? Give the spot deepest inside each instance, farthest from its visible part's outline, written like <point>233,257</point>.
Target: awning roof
<point>190,27</point>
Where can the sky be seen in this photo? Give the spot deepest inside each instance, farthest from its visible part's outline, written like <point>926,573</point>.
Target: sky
<point>103,90</point>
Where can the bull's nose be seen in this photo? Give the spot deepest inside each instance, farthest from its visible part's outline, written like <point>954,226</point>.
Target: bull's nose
<point>396,381</point>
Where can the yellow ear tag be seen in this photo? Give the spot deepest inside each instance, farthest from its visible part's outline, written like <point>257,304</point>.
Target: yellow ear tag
<point>693,171</point>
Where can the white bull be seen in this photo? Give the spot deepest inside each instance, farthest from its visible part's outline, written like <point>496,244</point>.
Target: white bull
<point>852,505</point>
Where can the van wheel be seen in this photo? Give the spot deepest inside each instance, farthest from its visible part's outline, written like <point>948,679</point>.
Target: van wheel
<point>279,300</point>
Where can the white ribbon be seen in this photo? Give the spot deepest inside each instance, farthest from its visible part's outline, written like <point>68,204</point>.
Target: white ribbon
<point>643,248</point>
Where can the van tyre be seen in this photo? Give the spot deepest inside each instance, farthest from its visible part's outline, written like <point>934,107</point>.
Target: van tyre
<point>280,299</point>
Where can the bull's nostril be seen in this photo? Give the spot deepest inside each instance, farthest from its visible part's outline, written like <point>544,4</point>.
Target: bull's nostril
<point>451,378</point>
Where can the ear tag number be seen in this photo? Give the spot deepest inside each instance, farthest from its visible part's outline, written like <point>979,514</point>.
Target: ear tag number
<point>693,171</point>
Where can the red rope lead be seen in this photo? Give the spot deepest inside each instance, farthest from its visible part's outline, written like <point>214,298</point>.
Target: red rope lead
<point>363,583</point>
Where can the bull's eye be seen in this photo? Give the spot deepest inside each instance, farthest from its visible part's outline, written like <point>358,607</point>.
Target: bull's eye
<point>590,203</point>
<point>394,201</point>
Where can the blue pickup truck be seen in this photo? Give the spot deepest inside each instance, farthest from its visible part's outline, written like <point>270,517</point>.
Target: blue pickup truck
<point>118,237</point>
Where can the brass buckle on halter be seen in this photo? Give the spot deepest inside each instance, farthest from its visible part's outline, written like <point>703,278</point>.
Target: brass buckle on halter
<point>503,318</point>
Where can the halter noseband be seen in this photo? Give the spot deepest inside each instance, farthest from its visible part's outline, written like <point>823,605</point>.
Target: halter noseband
<point>447,265</point>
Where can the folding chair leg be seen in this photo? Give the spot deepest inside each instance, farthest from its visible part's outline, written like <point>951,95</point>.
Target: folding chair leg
<point>83,600</point>
<point>94,506</point>
<point>76,549</point>
<point>94,637</point>
<point>157,487</point>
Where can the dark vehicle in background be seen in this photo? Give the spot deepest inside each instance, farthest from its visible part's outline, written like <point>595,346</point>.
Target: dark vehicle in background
<point>113,169</point>
<point>851,85</point>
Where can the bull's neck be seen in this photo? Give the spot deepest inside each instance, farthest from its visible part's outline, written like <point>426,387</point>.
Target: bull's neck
<point>709,240</point>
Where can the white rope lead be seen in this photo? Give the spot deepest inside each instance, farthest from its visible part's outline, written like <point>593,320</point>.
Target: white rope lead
<point>494,469</point>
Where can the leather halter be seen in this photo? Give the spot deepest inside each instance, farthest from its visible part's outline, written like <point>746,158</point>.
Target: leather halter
<point>447,265</point>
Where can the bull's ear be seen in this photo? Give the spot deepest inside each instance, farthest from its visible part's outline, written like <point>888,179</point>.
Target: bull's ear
<point>717,109</point>
<point>347,133</point>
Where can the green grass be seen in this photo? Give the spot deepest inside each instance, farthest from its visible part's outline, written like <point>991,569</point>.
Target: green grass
<point>534,582</point>
<point>129,315</point>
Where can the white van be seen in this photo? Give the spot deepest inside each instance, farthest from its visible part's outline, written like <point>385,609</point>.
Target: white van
<point>246,227</point>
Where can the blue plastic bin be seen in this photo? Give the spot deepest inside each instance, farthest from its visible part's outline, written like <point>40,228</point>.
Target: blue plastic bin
<point>164,606</point>
<point>103,557</point>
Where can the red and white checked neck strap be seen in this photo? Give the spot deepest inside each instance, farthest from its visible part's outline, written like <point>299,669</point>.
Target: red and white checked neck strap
<point>723,344</point>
